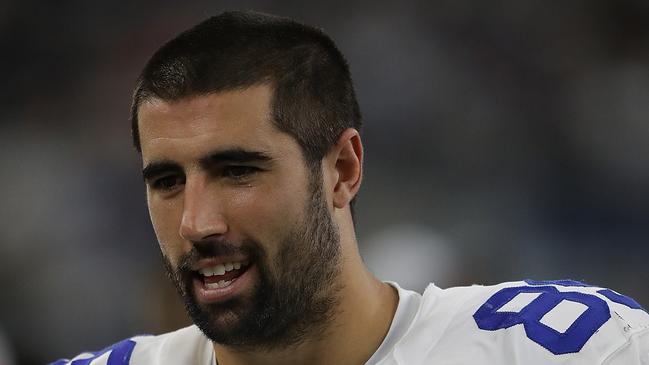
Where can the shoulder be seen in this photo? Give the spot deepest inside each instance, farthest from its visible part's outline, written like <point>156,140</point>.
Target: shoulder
<point>186,345</point>
<point>529,322</point>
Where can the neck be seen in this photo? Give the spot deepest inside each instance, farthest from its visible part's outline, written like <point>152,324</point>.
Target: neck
<point>361,322</point>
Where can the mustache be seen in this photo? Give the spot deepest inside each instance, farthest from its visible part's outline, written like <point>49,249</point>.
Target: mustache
<point>210,249</point>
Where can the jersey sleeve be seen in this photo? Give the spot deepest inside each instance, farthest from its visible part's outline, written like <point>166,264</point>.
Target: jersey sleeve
<point>184,346</point>
<point>117,354</point>
<point>635,351</point>
<point>570,319</point>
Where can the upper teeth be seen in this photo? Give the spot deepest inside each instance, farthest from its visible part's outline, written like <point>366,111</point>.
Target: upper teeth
<point>221,269</point>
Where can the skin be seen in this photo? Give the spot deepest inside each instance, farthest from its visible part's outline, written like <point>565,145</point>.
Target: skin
<point>238,204</point>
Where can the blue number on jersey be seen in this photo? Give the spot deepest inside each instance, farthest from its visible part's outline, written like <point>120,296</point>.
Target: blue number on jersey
<point>608,293</point>
<point>574,338</point>
<point>120,354</point>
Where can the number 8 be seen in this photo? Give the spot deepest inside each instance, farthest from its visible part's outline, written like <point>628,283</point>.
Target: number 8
<point>572,340</point>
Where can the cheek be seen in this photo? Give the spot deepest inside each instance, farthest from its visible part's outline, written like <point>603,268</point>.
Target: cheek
<point>267,214</point>
<point>166,225</point>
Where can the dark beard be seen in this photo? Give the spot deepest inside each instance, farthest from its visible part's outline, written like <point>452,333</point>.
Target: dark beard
<point>290,303</point>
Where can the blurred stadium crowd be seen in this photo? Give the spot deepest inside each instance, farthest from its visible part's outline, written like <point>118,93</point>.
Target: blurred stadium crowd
<point>503,141</point>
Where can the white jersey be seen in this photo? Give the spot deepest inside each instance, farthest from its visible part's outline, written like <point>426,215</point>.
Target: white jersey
<point>525,322</point>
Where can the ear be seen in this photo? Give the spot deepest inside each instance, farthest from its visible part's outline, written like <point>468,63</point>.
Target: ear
<point>345,160</point>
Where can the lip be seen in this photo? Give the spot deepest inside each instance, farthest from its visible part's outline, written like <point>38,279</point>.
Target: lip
<point>205,263</point>
<point>238,286</point>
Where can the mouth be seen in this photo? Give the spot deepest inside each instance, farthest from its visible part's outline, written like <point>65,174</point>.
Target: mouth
<point>215,282</point>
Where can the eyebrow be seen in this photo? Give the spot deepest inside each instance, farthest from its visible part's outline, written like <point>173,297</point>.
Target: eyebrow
<point>232,155</point>
<point>157,168</point>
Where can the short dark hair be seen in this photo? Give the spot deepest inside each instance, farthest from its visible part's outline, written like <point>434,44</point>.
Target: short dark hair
<point>313,96</point>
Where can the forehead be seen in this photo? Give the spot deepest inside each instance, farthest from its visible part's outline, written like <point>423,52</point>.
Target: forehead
<point>193,126</point>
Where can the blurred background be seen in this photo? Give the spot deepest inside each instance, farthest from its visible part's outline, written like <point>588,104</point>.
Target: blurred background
<point>504,140</point>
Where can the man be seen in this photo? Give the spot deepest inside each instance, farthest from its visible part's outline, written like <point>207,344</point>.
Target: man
<point>248,128</point>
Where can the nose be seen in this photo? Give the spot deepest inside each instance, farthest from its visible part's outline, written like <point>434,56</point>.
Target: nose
<point>202,216</point>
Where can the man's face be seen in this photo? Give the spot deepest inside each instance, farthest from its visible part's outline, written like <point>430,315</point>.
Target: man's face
<point>242,223</point>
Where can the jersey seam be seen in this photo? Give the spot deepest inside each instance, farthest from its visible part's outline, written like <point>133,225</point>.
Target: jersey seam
<point>624,345</point>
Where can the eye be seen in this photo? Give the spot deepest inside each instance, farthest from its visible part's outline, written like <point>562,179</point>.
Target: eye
<point>166,183</point>
<point>238,172</point>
